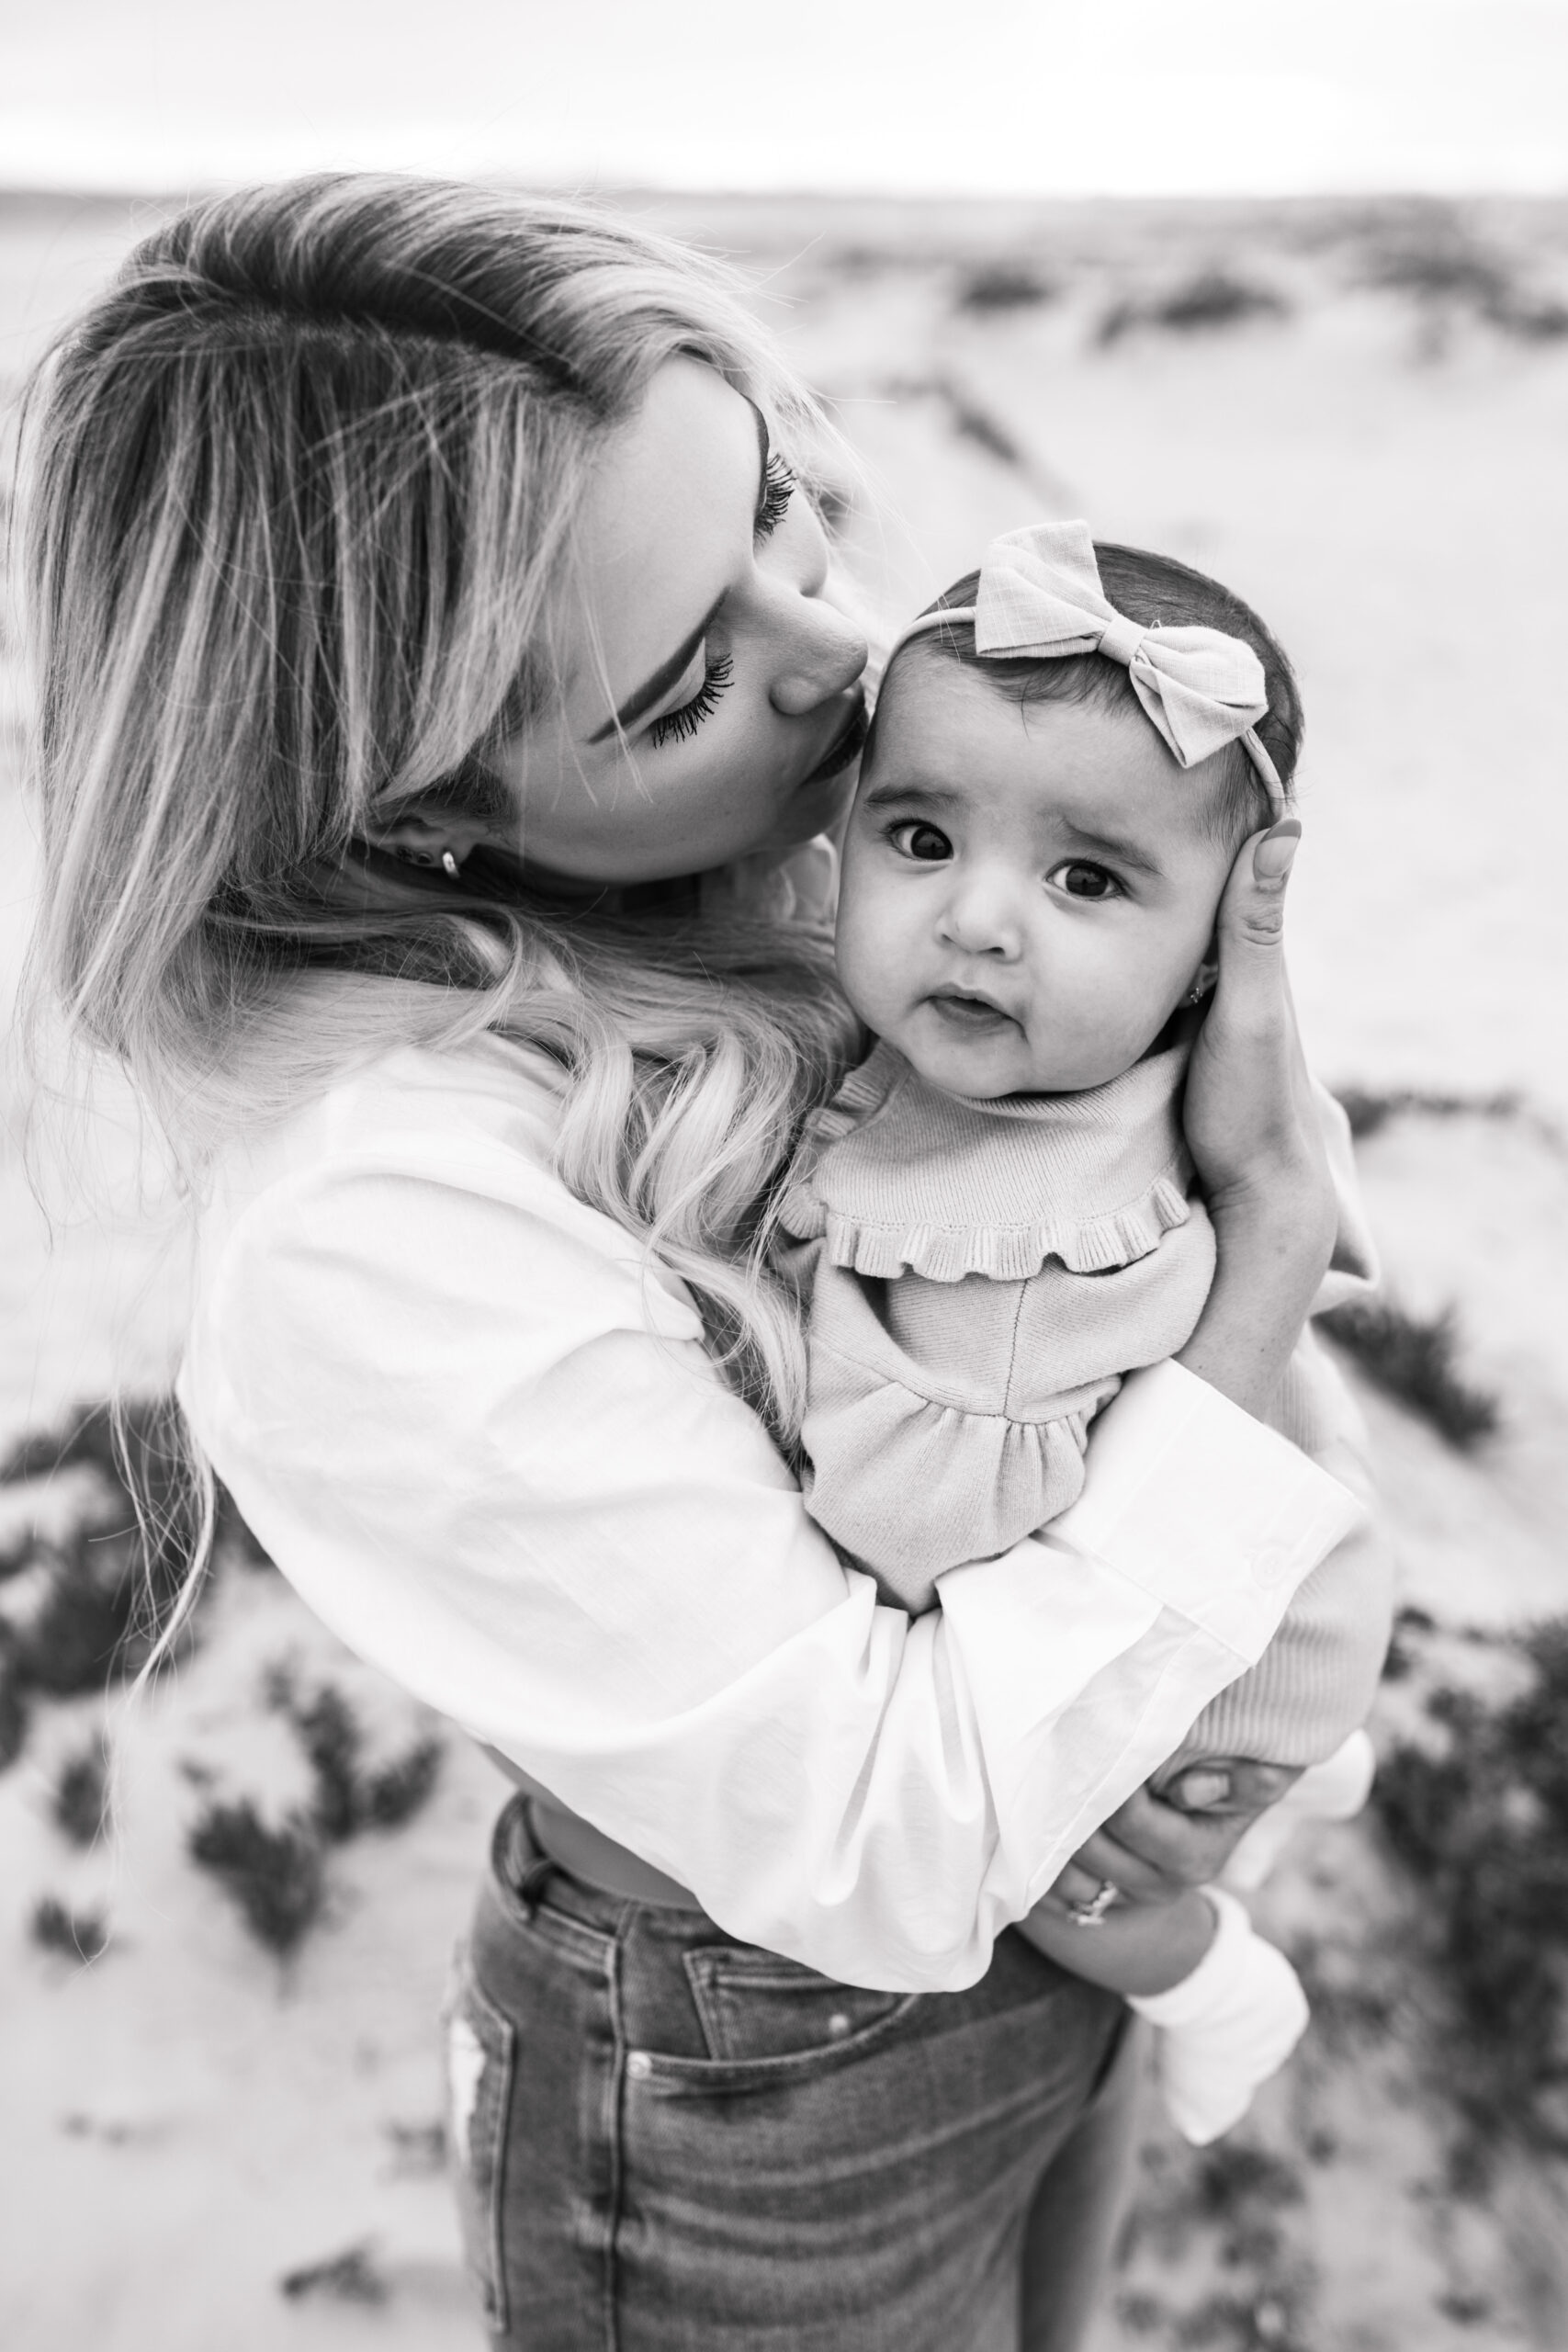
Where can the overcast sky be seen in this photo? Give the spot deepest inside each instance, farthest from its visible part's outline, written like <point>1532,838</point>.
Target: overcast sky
<point>1184,97</point>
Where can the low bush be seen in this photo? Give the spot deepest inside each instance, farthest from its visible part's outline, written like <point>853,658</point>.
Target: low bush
<point>275,1877</point>
<point>1369,1109</point>
<point>350,1796</point>
<point>351,2277</point>
<point>107,1580</point>
<point>1212,298</point>
<point>278,1877</point>
<point>1415,1359</point>
<point>1478,1819</point>
<point>78,1800</point>
<point>79,1935</point>
<point>1449,274</point>
<point>1229,2200</point>
<point>1002,285</point>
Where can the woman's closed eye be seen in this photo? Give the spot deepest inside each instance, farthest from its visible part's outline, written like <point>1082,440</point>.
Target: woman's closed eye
<point>926,844</point>
<point>678,726</point>
<point>1079,877</point>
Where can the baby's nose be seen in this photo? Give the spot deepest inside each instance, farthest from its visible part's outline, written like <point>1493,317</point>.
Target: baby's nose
<point>981,917</point>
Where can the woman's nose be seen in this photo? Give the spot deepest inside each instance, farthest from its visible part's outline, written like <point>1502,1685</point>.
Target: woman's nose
<point>980,917</point>
<point>828,655</point>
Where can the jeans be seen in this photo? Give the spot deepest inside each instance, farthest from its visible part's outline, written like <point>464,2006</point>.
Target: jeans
<point>665,2142</point>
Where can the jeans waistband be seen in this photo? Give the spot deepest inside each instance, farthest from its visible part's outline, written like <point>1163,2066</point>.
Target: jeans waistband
<point>523,1864</point>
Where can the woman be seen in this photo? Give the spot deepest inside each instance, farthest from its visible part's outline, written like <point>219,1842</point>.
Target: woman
<point>425,599</point>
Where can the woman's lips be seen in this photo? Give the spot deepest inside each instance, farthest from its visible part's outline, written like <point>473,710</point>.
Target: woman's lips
<point>846,745</point>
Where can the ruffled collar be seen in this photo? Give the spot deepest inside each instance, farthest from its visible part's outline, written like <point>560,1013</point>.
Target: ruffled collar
<point>895,1177</point>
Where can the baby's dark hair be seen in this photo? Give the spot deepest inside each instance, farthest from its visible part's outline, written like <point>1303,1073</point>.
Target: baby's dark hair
<point>1148,588</point>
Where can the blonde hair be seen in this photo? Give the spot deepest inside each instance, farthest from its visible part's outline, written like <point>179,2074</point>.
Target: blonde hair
<point>299,493</point>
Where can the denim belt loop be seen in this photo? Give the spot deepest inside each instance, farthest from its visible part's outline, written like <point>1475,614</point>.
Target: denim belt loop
<point>521,1865</point>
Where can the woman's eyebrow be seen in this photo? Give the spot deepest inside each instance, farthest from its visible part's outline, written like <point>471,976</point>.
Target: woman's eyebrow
<point>658,682</point>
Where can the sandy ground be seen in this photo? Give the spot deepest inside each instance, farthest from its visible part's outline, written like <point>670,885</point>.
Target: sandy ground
<point>1381,469</point>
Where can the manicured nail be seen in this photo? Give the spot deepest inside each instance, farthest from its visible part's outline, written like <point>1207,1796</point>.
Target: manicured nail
<point>1199,1790</point>
<point>1272,859</point>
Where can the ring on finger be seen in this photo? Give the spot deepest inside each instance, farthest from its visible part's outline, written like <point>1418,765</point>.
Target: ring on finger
<point>1092,1911</point>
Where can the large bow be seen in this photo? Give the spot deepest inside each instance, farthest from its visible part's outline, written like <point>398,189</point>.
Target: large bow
<point>1040,596</point>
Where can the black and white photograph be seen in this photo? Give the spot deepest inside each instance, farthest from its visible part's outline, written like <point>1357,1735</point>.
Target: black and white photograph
<point>784,1177</point>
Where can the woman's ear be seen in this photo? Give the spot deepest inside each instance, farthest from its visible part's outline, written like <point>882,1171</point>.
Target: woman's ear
<point>431,840</point>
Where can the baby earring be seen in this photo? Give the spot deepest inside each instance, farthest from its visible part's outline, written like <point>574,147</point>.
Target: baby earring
<point>448,866</point>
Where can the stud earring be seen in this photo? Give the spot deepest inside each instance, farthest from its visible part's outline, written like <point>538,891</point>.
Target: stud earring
<point>448,866</point>
<point>1197,992</point>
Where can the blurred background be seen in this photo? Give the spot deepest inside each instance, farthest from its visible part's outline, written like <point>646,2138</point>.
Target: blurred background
<point>1283,289</point>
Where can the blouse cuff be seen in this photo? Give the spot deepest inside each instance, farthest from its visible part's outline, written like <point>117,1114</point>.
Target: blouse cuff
<point>1206,1509</point>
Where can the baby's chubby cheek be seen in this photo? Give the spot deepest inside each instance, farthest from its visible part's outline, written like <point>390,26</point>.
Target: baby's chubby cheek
<point>878,957</point>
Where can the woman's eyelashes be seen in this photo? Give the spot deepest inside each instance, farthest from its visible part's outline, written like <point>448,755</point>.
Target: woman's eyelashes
<point>679,725</point>
<point>778,489</point>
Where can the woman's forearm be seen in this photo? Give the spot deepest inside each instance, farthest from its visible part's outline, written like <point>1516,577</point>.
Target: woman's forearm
<point>1270,1269</point>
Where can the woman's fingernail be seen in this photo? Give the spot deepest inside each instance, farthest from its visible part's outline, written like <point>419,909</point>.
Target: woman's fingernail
<point>1199,1790</point>
<point>1272,859</point>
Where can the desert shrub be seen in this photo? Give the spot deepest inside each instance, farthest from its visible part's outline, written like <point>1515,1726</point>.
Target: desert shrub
<point>109,1578</point>
<point>1438,262</point>
<point>275,1877</point>
<point>1531,319</point>
<point>1415,1359</point>
<point>351,2277</point>
<point>1370,1108</point>
<point>1448,272</point>
<point>78,1799</point>
<point>1000,286</point>
<point>1228,2201</point>
<point>1211,298</point>
<point>349,1796</point>
<point>83,1630</point>
<point>396,1793</point>
<point>79,1935</point>
<point>279,1876</point>
<point>1479,1819</point>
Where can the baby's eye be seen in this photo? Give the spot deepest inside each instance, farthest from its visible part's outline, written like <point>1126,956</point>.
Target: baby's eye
<point>1079,879</point>
<point>925,844</point>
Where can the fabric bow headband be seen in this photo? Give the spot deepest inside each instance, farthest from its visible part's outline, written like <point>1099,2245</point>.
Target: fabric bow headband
<point>1040,596</point>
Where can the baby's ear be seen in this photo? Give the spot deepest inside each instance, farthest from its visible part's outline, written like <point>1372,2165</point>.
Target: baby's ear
<point>1203,978</point>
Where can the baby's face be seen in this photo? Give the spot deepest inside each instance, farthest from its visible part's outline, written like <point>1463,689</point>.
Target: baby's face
<point>1028,893</point>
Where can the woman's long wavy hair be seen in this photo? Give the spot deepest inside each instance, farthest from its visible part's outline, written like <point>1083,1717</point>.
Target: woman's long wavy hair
<point>299,493</point>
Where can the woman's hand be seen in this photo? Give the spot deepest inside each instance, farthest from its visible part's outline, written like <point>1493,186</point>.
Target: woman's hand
<point>1158,1843</point>
<point>1256,1141</point>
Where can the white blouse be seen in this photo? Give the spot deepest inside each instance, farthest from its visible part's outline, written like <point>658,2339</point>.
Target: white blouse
<point>478,1431</point>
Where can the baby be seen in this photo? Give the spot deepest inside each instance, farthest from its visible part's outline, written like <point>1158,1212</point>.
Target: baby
<point>995,1219</point>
